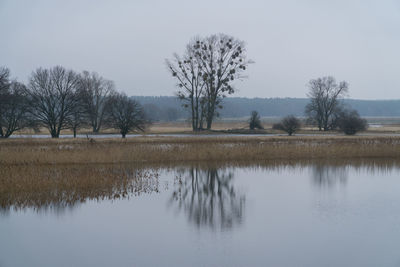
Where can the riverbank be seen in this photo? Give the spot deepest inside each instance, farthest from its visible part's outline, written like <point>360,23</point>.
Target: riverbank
<point>195,149</point>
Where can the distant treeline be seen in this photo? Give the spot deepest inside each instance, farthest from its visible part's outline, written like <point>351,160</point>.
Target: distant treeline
<point>169,108</point>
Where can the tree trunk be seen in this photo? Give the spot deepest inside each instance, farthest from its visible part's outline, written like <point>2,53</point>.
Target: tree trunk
<point>123,135</point>
<point>210,115</point>
<point>210,112</point>
<point>194,126</point>
<point>74,132</point>
<point>54,133</point>
<point>209,123</point>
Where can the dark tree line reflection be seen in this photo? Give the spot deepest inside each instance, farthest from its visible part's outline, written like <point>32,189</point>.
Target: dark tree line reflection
<point>208,198</point>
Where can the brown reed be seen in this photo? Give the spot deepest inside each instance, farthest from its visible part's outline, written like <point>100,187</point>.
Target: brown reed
<point>194,149</point>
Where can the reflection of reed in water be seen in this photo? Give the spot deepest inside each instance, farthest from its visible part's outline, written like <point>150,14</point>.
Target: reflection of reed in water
<point>60,188</point>
<point>331,173</point>
<point>208,198</point>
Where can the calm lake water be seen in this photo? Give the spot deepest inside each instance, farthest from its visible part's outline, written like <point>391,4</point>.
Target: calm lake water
<point>310,214</point>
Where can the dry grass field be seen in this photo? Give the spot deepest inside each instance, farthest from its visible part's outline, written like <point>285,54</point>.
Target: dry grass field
<point>194,149</point>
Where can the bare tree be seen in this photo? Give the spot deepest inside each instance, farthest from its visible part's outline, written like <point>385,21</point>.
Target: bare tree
<point>52,96</point>
<point>188,71</point>
<point>325,95</point>
<point>206,73</point>
<point>223,60</point>
<point>126,114</point>
<point>95,93</point>
<point>13,109</point>
<point>289,124</point>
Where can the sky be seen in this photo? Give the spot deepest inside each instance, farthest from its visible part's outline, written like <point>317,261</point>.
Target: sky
<point>291,41</point>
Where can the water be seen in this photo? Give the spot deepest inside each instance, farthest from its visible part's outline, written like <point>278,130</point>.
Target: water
<point>297,214</point>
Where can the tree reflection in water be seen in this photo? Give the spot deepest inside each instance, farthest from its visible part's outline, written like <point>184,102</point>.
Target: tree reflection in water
<point>324,175</point>
<point>208,198</point>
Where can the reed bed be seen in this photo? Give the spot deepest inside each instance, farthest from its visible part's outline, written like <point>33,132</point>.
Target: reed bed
<point>60,187</point>
<point>194,149</point>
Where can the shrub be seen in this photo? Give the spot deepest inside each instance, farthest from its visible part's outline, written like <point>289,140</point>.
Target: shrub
<point>350,122</point>
<point>289,124</point>
<point>255,122</point>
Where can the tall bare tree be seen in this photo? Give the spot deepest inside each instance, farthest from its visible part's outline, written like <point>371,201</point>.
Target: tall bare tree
<point>188,71</point>
<point>53,98</point>
<point>13,109</point>
<point>223,60</point>
<point>125,114</point>
<point>95,93</point>
<point>206,74</point>
<point>325,95</point>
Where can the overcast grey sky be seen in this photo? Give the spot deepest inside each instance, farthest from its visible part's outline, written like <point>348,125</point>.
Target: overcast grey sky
<point>291,41</point>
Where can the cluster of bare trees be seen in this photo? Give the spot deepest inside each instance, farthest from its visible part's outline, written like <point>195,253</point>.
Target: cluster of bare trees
<point>205,75</point>
<point>327,111</point>
<point>325,95</point>
<point>58,99</point>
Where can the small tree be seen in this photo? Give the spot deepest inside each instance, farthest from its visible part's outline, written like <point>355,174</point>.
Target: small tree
<point>350,122</point>
<point>255,122</point>
<point>289,124</point>
<point>126,114</point>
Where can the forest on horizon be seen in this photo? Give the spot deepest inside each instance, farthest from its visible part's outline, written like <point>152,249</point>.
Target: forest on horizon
<point>169,108</point>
